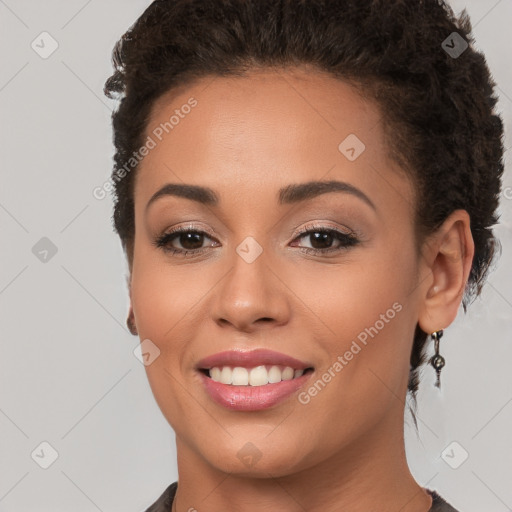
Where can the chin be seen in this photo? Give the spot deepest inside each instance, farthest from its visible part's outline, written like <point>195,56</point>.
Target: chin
<point>258,459</point>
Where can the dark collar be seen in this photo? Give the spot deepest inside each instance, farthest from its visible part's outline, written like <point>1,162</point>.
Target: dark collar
<point>164,502</point>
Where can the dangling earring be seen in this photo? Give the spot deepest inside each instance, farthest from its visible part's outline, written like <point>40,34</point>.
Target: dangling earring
<point>437,360</point>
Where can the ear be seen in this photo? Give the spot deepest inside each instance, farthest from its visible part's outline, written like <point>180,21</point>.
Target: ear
<point>130,321</point>
<point>447,260</point>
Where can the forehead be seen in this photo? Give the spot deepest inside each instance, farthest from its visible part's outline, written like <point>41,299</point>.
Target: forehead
<point>246,110</point>
<point>274,127</point>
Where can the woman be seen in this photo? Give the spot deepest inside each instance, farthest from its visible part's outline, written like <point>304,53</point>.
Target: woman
<point>305,192</point>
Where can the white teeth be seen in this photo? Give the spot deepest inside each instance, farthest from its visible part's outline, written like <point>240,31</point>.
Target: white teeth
<point>225,375</point>
<point>239,376</point>
<point>257,376</point>
<point>274,375</point>
<point>287,373</point>
<point>215,374</point>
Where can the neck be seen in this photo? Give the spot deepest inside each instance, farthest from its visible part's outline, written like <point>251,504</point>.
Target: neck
<point>371,473</point>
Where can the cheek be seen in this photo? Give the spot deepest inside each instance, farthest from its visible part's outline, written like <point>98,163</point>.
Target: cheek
<point>363,314</point>
<point>161,299</point>
<point>162,295</point>
<point>348,297</point>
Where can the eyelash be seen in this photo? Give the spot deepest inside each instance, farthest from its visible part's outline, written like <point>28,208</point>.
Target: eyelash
<point>346,239</point>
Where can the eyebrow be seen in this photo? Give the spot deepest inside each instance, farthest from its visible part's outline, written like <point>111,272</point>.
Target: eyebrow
<point>290,194</point>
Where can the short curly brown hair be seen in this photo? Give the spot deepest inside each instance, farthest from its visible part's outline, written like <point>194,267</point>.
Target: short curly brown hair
<point>438,107</point>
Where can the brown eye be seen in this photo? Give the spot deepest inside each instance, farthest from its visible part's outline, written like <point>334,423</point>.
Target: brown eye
<point>190,240</point>
<point>321,240</point>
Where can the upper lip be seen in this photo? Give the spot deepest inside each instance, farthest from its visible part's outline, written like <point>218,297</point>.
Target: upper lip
<point>250,359</point>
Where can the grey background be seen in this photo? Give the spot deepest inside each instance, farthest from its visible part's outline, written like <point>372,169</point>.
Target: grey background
<point>68,374</point>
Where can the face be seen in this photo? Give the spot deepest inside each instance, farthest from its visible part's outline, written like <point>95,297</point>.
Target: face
<point>327,276</point>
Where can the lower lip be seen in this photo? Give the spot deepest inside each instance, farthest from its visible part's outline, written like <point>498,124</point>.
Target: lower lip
<point>252,398</point>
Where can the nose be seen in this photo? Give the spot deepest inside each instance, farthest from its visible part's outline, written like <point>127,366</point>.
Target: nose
<point>251,296</point>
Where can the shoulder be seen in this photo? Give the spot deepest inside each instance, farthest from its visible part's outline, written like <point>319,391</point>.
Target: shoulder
<point>439,504</point>
<point>164,502</point>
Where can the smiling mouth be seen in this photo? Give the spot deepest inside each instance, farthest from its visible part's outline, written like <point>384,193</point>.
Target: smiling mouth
<point>253,376</point>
